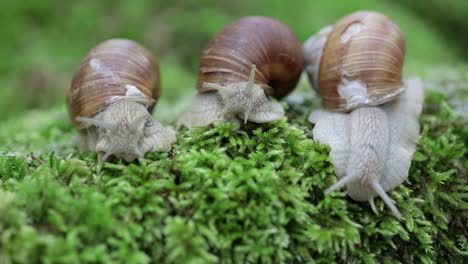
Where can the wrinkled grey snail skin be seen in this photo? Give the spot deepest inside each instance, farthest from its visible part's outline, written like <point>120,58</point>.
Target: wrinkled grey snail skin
<point>233,102</point>
<point>128,132</point>
<point>370,120</point>
<point>372,147</point>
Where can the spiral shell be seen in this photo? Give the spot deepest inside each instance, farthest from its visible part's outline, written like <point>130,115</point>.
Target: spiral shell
<point>362,62</point>
<point>262,41</point>
<point>115,67</point>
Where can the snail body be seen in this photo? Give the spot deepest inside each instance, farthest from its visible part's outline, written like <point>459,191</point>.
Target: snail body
<point>245,67</point>
<point>111,97</point>
<point>370,119</point>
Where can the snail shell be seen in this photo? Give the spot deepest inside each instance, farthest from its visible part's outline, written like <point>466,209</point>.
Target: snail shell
<point>111,98</point>
<point>262,41</point>
<point>356,67</point>
<point>247,61</point>
<point>114,68</point>
<point>361,62</point>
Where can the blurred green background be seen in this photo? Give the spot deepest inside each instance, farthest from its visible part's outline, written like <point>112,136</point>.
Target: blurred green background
<point>44,40</point>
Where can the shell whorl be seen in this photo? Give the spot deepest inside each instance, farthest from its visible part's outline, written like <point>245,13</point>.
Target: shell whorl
<point>364,49</point>
<point>262,41</point>
<point>107,71</point>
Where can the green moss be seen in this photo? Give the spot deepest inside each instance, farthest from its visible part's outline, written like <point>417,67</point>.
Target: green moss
<point>243,196</point>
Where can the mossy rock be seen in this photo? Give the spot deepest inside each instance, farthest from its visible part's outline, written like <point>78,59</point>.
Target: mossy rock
<point>222,196</point>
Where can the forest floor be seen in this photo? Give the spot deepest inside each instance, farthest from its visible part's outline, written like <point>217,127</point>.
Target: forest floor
<point>249,195</point>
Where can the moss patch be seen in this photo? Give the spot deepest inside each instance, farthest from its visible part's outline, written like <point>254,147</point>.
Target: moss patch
<point>244,196</point>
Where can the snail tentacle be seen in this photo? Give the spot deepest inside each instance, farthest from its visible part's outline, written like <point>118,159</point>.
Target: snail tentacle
<point>372,204</point>
<point>341,183</point>
<point>217,87</point>
<point>96,122</point>
<point>387,200</point>
<point>103,156</point>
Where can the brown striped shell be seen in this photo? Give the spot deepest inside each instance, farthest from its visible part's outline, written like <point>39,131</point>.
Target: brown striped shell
<point>106,71</point>
<point>262,41</point>
<point>365,48</point>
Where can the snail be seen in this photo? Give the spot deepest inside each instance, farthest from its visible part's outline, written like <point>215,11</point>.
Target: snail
<point>245,68</point>
<point>111,97</point>
<point>370,119</point>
